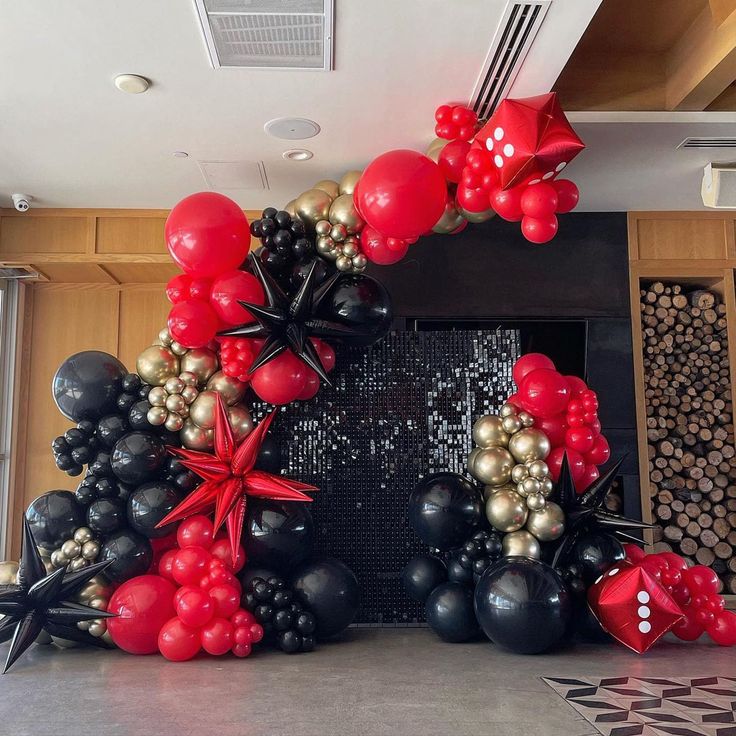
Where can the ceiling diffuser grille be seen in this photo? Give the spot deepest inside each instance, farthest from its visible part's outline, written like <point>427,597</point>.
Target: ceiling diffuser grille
<point>513,39</point>
<point>709,142</point>
<point>268,34</point>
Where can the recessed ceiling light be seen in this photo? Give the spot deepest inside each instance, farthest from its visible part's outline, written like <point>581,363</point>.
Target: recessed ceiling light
<point>133,84</point>
<point>297,154</point>
<point>181,154</point>
<point>292,129</point>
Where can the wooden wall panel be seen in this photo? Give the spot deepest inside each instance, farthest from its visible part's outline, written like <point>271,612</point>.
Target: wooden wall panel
<point>30,234</point>
<point>143,312</point>
<point>682,239</point>
<point>130,235</point>
<point>75,273</point>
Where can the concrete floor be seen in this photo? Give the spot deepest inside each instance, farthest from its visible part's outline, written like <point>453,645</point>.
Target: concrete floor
<point>375,682</point>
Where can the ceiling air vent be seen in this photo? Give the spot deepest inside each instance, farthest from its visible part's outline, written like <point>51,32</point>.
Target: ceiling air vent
<point>709,142</point>
<point>18,273</point>
<point>268,34</point>
<point>513,39</point>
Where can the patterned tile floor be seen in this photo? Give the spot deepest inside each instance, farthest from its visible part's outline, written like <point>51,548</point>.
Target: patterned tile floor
<point>653,706</point>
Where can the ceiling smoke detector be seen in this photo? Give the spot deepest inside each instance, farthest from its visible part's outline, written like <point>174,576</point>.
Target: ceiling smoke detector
<point>292,129</point>
<point>297,154</point>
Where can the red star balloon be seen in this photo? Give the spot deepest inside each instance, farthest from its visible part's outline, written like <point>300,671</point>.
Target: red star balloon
<point>529,139</point>
<point>230,477</point>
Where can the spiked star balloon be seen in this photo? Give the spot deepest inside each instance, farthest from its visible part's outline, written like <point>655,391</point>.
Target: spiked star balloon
<point>287,324</point>
<point>230,477</point>
<point>43,602</point>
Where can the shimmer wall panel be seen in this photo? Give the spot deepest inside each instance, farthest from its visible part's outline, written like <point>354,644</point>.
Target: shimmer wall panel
<point>397,411</point>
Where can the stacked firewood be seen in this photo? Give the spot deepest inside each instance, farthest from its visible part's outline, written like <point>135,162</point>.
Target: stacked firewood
<point>690,437</point>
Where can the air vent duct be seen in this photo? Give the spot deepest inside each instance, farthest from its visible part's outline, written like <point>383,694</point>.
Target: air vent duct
<point>18,273</point>
<point>709,142</point>
<point>268,34</point>
<point>513,39</point>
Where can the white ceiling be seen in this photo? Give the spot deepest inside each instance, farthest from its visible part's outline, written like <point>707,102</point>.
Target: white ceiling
<point>70,139</point>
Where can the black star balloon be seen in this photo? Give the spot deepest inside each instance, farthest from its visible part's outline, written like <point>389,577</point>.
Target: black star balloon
<point>288,323</point>
<point>41,602</point>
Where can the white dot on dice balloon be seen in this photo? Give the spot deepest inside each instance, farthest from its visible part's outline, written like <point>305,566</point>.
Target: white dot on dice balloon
<point>508,150</point>
<point>534,181</point>
<point>498,160</point>
<point>560,165</point>
<point>645,627</point>
<point>642,596</point>
<point>548,175</point>
<point>489,144</point>
<point>643,612</point>
<point>611,573</point>
<point>600,577</point>
<point>498,134</point>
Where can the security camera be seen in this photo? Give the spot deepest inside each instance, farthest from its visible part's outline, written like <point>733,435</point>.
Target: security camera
<point>22,202</point>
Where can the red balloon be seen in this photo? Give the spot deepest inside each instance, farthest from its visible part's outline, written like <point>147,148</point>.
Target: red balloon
<point>200,289</point>
<point>226,599</point>
<point>195,531</point>
<point>177,289</point>
<point>539,200</point>
<point>207,234</point>
<point>311,386</point>
<point>581,439</point>
<point>281,380</point>
<point>220,550</point>
<point>326,354</point>
<point>590,475</point>
<point>701,580</point>
<point>143,605</point>
<point>723,629</point>
<point>452,160</point>
<point>376,250</point>
<point>568,195</point>
<point>577,385</point>
<point>402,193</point>
<point>633,552</point>
<point>507,203</point>
<point>544,392</point>
<point>688,629</point>
<point>472,199</point>
<point>600,453</point>
<point>539,229</point>
<point>192,323</point>
<point>230,288</point>
<point>673,560</point>
<point>528,363</point>
<point>194,606</point>
<point>190,564</point>
<point>574,459</point>
<point>217,636</point>
<point>177,641</point>
<point>554,427</point>
<point>166,564</point>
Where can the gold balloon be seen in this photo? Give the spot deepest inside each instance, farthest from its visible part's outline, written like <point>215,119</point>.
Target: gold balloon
<point>8,571</point>
<point>202,362</point>
<point>548,523</point>
<point>547,487</point>
<point>343,212</point>
<point>507,410</point>
<point>178,349</point>
<point>529,444</point>
<point>488,491</point>
<point>173,423</point>
<point>196,438</point>
<point>338,233</point>
<point>329,187</point>
<point>521,544</point>
<point>538,469</point>
<point>90,550</point>
<point>519,473</point>
<point>471,459</point>
<point>290,208</point>
<point>323,228</point>
<point>492,466</point>
<point>434,148</point>
<point>529,486</point>
<point>83,535</point>
<point>450,221</point>
<point>231,390</point>
<point>71,549</point>
<point>312,206</point>
<point>240,421</point>
<point>349,179</point>
<point>506,510</point>
<point>476,217</point>
<point>77,564</point>
<point>488,432</point>
<point>535,502</point>
<point>202,410</point>
<point>526,418</point>
<point>95,588</point>
<point>157,415</point>
<point>511,424</point>
<point>344,264</point>
<point>156,364</point>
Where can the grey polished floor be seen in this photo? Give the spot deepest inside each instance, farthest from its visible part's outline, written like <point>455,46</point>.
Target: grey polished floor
<point>389,681</point>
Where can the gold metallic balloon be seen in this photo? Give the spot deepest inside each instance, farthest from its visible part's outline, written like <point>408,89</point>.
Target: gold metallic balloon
<point>506,510</point>
<point>519,472</point>
<point>188,379</point>
<point>449,221</point>
<point>492,466</point>
<point>538,469</point>
<point>476,217</point>
<point>547,487</point>
<point>529,444</point>
<point>175,403</point>
<point>157,396</point>
<point>312,206</point>
<point>157,415</point>
<point>164,337</point>
<point>77,564</point>
<point>349,249</point>
<point>8,571</point>
<point>507,410</point>
<point>359,262</point>
<point>240,421</point>
<point>535,502</point>
<point>58,558</point>
<point>156,364</point>
<point>488,432</point>
<point>488,491</point>
<point>97,587</point>
<point>348,181</point>
<point>434,148</point>
<point>97,628</point>
<point>343,212</point>
<point>344,264</point>
<point>189,394</point>
<point>521,544</point>
<point>338,233</point>
<point>529,486</point>
<point>173,423</point>
<point>323,228</point>
<point>548,523</point>
<point>202,410</point>
<point>511,424</point>
<point>71,549</point>
<point>289,207</point>
<point>231,390</point>
<point>196,438</point>
<point>202,362</point>
<point>328,186</point>
<point>90,550</point>
<point>471,459</point>
<point>83,535</point>
<point>527,419</point>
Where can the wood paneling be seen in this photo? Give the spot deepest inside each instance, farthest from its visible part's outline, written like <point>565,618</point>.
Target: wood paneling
<point>142,273</point>
<point>31,234</point>
<point>75,273</point>
<point>687,239</point>
<point>130,235</point>
<point>143,312</point>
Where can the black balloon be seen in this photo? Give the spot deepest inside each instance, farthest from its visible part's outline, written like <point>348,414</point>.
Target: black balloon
<point>422,575</point>
<point>138,415</point>
<point>53,517</point>
<point>251,570</point>
<point>330,590</point>
<point>450,614</point>
<point>137,457</point>
<point>456,573</point>
<point>362,304</point>
<point>300,271</point>
<point>278,534</point>
<point>523,605</point>
<point>269,456</point>
<point>444,510</point>
<point>593,553</point>
<point>150,503</point>
<point>586,626</point>
<point>111,428</point>
<point>129,553</point>
<point>87,384</point>
<point>106,515</point>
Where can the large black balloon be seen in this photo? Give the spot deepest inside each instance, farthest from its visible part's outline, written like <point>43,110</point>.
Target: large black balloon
<point>53,517</point>
<point>523,605</point>
<point>137,457</point>
<point>422,575</point>
<point>130,554</point>
<point>330,590</point>
<point>360,302</point>
<point>87,384</point>
<point>111,428</point>
<point>269,456</point>
<point>593,553</point>
<point>106,515</point>
<point>450,614</point>
<point>444,510</point>
<point>149,504</point>
<point>278,534</point>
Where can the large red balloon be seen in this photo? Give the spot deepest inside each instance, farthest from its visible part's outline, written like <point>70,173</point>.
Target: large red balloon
<point>207,234</point>
<point>452,160</point>
<point>539,200</point>
<point>600,452</point>
<point>281,380</point>
<point>375,248</point>
<point>577,385</point>
<point>723,629</point>
<point>701,579</point>
<point>528,363</point>
<point>177,641</point>
<point>230,288</point>
<point>554,427</point>
<point>192,323</point>
<point>143,604</point>
<point>402,194</point>
<point>507,203</point>
<point>544,392</point>
<point>581,439</point>
<point>539,229</point>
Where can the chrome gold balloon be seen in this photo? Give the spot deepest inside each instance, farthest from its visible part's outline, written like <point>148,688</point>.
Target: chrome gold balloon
<point>330,187</point>
<point>347,183</point>
<point>492,466</point>
<point>548,523</point>
<point>519,473</point>
<point>506,510</point>
<point>157,415</point>
<point>312,206</point>
<point>343,212</point>
<point>240,421</point>
<point>156,364</point>
<point>196,438</point>
<point>538,469</point>
<point>476,217</point>
<point>471,459</point>
<point>202,410</point>
<point>202,362</point>
<point>529,444</point>
<point>231,390</point>
<point>507,410</point>
<point>488,432</point>
<point>535,502</point>
<point>83,535</point>
<point>521,544</point>
<point>434,148</point>
<point>449,221</point>
<point>290,207</point>
<point>511,424</point>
